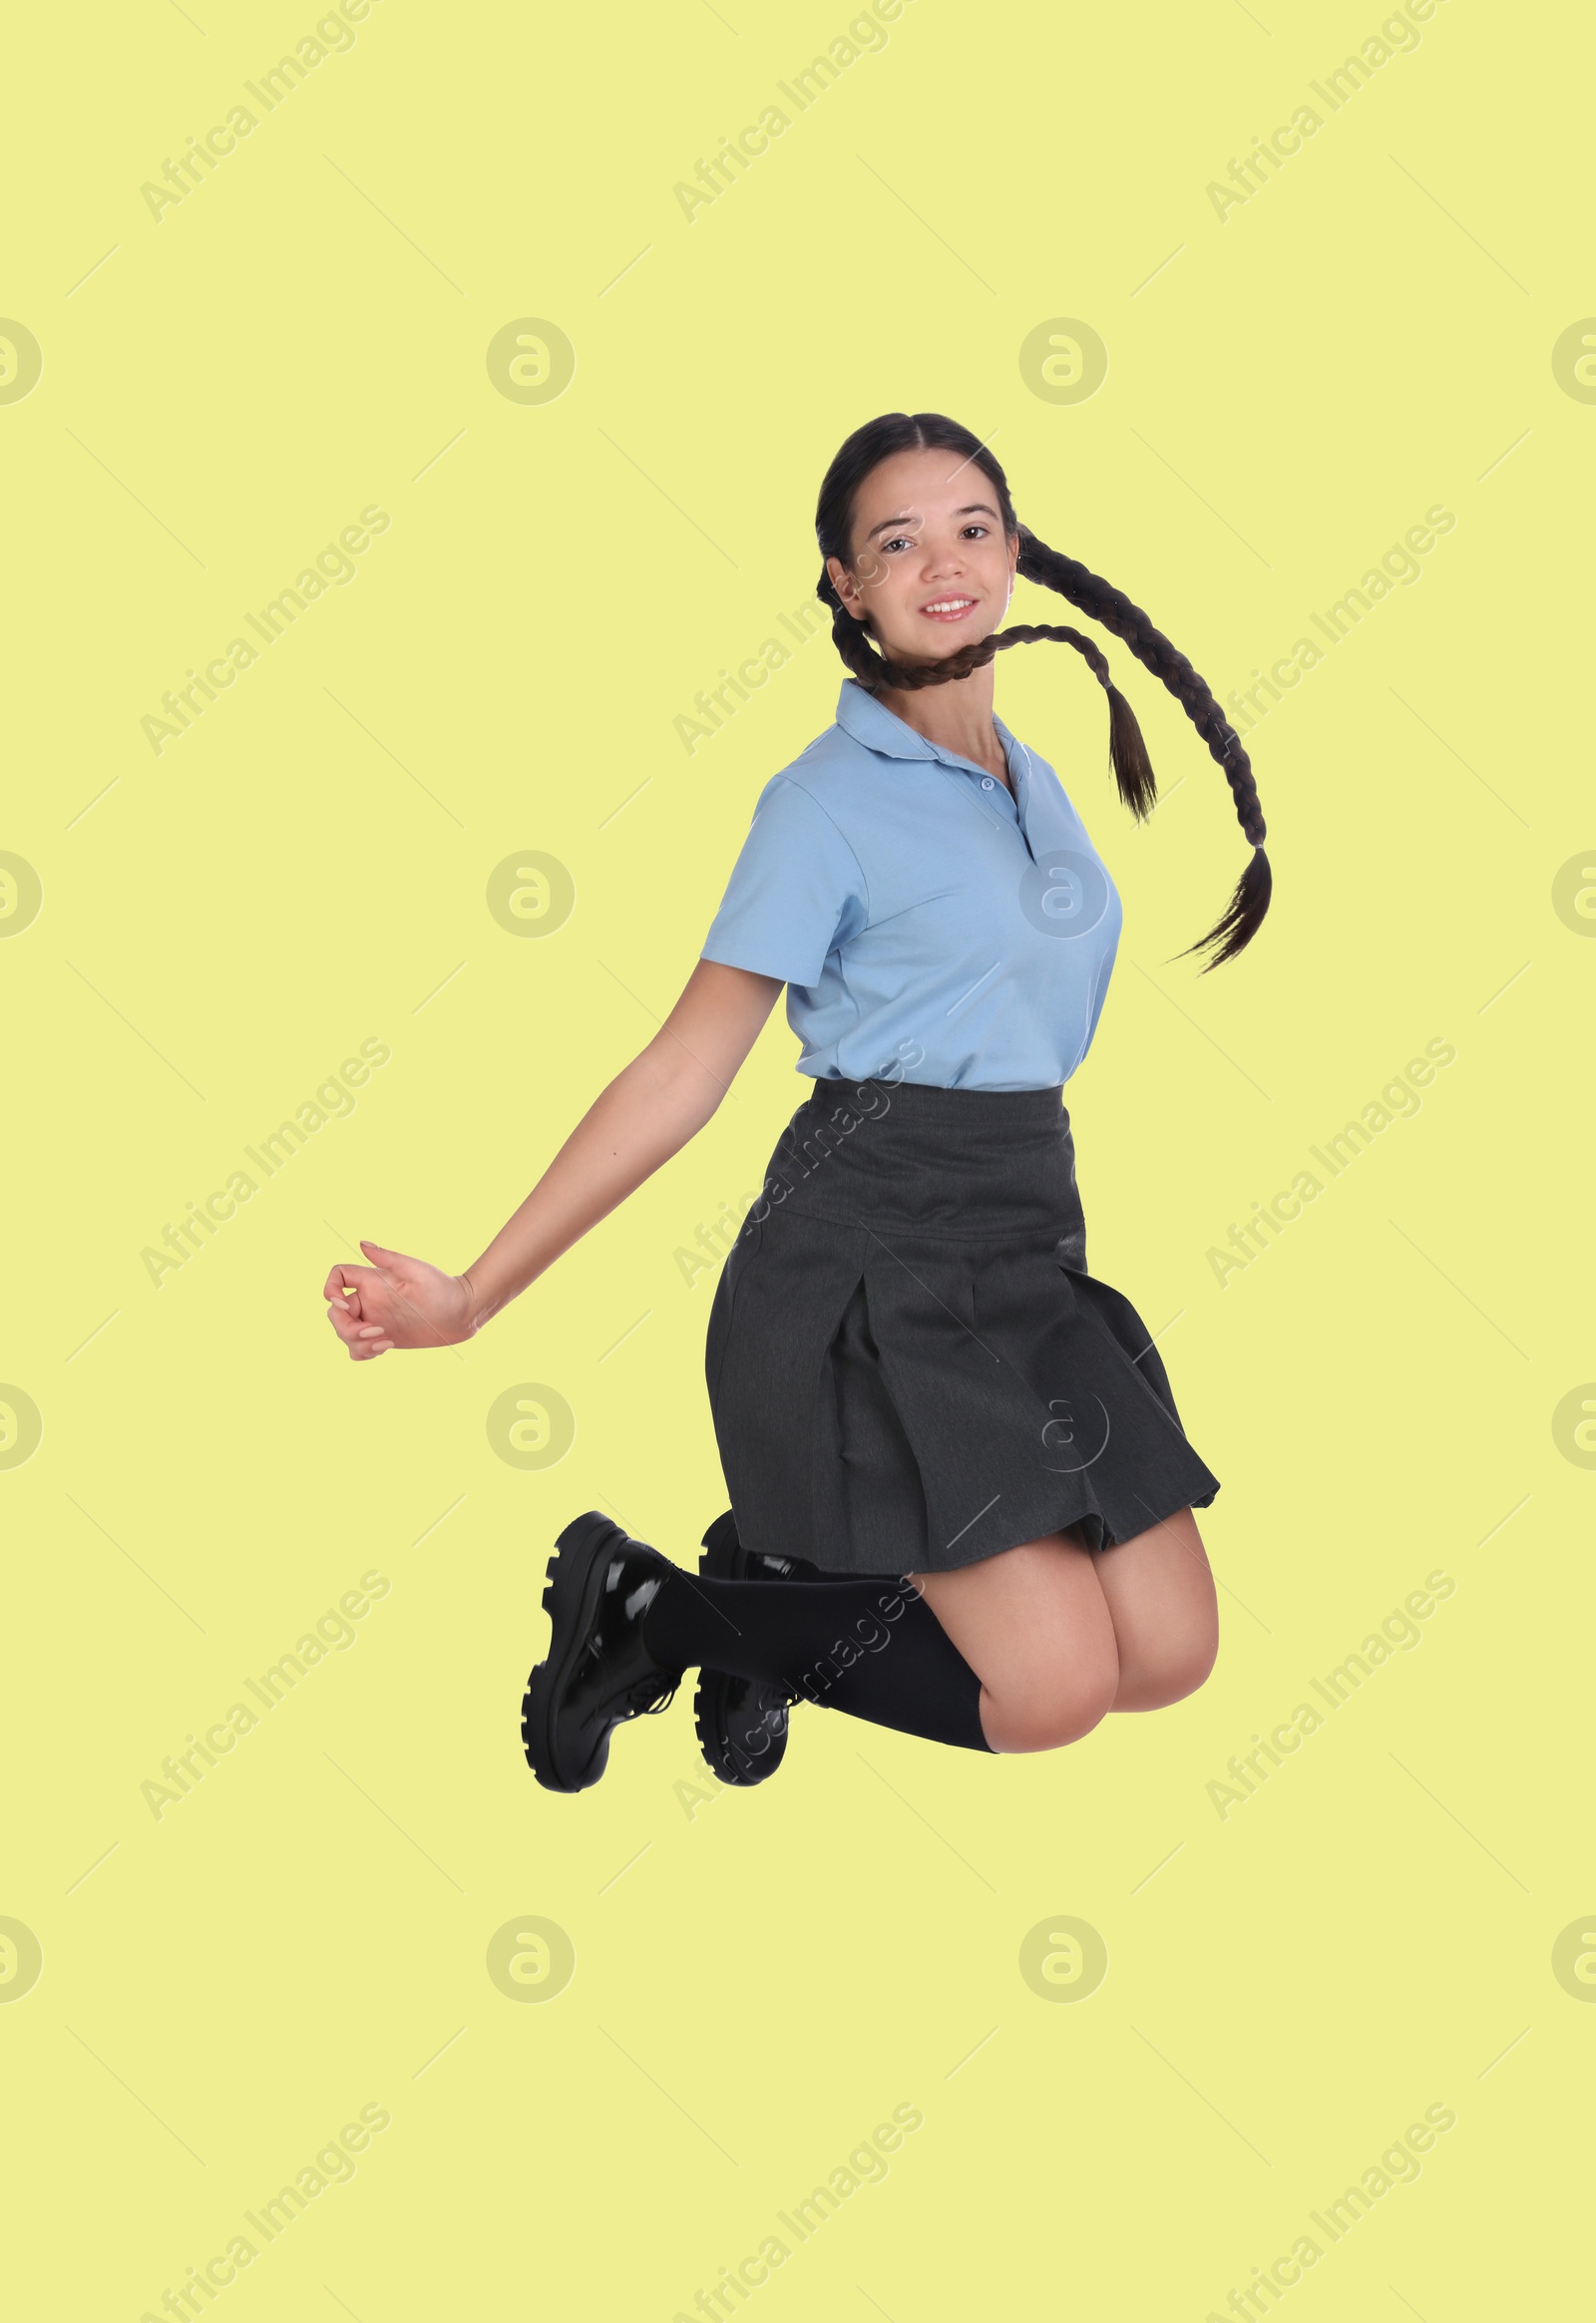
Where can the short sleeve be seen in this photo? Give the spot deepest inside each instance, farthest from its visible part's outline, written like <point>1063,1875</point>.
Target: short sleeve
<point>796,891</point>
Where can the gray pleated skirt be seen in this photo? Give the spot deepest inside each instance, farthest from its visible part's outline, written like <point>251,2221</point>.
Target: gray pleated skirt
<point>909,1367</point>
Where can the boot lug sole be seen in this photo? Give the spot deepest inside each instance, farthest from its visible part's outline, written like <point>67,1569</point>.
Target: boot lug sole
<point>570,1598</point>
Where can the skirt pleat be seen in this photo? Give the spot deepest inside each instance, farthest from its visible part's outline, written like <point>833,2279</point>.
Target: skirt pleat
<point>891,1397</point>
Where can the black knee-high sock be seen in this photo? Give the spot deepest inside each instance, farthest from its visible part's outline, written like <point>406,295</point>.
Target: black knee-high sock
<point>873,1649</point>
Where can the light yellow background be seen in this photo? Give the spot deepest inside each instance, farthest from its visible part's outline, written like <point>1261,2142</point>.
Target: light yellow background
<point>761,1976</point>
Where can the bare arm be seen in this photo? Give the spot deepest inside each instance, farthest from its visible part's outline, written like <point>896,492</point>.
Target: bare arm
<point>649,1112</point>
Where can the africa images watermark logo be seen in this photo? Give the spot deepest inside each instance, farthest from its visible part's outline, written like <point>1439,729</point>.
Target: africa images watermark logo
<point>333,1633</point>
<point>715,706</point>
<point>333,2165</point>
<point>332,34</point>
<point>1398,36</point>
<point>1249,1770</point>
<point>866,2165</point>
<point>1399,567</point>
<point>865,35</point>
<point>1400,2164</point>
<point>333,1101</point>
<point>334,567</point>
<point>1398,1100</point>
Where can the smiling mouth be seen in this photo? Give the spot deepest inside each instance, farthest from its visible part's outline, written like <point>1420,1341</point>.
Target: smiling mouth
<point>949,608</point>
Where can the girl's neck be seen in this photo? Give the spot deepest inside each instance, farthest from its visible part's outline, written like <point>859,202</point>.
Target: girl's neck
<point>957,717</point>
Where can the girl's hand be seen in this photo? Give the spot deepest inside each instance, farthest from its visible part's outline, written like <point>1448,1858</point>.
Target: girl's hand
<point>396,1302</point>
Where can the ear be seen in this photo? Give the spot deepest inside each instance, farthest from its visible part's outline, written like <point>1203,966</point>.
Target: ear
<point>843,581</point>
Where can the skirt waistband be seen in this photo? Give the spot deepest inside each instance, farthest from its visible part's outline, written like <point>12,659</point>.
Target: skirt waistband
<point>929,1103</point>
<point>907,1159</point>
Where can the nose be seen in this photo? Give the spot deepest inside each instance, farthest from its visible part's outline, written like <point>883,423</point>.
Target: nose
<point>940,560</point>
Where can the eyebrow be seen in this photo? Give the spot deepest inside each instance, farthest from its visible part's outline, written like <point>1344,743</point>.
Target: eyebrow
<point>973,508</point>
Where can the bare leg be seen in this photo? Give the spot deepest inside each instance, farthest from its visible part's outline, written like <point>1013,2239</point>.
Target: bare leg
<point>1033,1624</point>
<point>1160,1597</point>
<point>1059,1635</point>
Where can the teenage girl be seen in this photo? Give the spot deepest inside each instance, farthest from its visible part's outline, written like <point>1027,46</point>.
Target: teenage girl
<point>960,1492</point>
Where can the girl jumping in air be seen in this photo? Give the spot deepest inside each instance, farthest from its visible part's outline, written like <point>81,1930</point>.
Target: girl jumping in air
<point>960,1492</point>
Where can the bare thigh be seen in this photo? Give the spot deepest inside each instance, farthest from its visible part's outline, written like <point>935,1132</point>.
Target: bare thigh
<point>1160,1596</point>
<point>1059,1635</point>
<point>1034,1626</point>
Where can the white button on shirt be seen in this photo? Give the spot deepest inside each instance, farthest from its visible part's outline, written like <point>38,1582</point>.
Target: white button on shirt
<point>927,921</point>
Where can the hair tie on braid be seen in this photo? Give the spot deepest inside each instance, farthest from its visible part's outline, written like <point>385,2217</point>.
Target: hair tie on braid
<point>895,432</point>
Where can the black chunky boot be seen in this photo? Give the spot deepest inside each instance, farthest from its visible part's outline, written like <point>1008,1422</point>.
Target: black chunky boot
<point>742,1721</point>
<point>599,1672</point>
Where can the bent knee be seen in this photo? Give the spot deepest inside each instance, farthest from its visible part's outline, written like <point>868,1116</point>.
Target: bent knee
<point>1154,1681</point>
<point>1049,1712</point>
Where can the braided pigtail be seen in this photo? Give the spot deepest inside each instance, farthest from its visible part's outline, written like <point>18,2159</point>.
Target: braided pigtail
<point>1243,915</point>
<point>847,635</point>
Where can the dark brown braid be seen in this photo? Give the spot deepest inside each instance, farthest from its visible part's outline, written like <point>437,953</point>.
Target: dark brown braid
<point>1244,913</point>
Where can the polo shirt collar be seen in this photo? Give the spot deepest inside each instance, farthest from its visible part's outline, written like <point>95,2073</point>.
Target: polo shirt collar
<point>869,721</point>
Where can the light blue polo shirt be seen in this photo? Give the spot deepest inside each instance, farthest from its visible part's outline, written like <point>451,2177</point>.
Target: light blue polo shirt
<point>927,924</point>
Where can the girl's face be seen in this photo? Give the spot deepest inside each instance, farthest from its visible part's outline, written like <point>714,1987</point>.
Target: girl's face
<point>930,566</point>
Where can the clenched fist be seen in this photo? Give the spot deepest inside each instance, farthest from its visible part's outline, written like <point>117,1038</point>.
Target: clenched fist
<point>397,1301</point>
